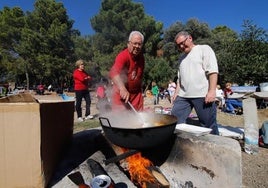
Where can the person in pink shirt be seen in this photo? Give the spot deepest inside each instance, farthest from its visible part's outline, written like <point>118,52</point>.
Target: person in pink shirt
<point>81,81</point>
<point>127,73</point>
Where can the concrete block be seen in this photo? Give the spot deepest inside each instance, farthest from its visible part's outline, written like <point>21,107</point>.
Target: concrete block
<point>205,161</point>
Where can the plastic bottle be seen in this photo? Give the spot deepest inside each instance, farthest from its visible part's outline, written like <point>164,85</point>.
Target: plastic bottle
<point>251,139</point>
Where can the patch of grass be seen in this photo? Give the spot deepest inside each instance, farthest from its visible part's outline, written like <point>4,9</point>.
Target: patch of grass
<point>80,126</point>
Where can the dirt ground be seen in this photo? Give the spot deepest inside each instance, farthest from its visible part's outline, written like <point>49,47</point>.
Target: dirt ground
<point>254,167</point>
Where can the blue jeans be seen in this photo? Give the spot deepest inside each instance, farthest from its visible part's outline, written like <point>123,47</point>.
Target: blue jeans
<point>232,104</point>
<point>207,113</point>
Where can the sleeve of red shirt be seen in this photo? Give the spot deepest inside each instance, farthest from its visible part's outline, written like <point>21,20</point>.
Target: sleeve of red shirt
<point>81,75</point>
<point>78,76</point>
<point>119,63</point>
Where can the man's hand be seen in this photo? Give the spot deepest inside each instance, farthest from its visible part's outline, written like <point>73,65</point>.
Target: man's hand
<point>124,94</point>
<point>210,97</point>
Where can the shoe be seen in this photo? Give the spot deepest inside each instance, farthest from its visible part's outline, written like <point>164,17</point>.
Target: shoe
<point>89,117</point>
<point>80,119</point>
<point>232,113</point>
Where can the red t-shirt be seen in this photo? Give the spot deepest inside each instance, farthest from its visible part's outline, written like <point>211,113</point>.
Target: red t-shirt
<point>130,70</point>
<point>100,91</point>
<point>227,92</point>
<point>80,80</point>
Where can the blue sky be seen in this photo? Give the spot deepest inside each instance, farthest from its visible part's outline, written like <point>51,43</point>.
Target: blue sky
<point>231,13</point>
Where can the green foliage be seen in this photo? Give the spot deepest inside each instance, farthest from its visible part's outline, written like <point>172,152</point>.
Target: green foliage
<point>116,19</point>
<point>245,59</point>
<point>11,22</point>
<point>42,46</point>
<point>240,60</point>
<point>249,62</point>
<point>83,47</point>
<point>158,70</point>
<point>111,23</point>
<point>197,29</point>
<point>252,32</point>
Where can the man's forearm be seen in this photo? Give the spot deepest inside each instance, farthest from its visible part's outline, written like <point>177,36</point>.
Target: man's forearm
<point>213,79</point>
<point>118,82</point>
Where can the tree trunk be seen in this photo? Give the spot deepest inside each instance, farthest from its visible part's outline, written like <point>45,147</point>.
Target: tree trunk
<point>27,80</point>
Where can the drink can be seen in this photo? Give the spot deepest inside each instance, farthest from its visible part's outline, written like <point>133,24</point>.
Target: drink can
<point>101,181</point>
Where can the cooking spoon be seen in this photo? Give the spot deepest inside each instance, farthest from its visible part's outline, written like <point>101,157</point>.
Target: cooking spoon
<point>144,123</point>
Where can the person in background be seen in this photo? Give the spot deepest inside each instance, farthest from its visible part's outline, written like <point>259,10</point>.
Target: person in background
<point>40,89</point>
<point>220,100</point>
<point>171,90</point>
<point>126,74</point>
<point>50,88</point>
<point>81,81</point>
<point>102,101</point>
<point>196,84</point>
<point>155,92</point>
<point>231,104</point>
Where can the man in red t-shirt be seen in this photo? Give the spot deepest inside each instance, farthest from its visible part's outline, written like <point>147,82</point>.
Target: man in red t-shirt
<point>126,74</point>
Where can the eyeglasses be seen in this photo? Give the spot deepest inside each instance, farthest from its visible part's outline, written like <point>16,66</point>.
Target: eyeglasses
<point>135,43</point>
<point>182,43</point>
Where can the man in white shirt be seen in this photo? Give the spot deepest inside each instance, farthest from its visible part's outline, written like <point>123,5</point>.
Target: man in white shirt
<point>197,81</point>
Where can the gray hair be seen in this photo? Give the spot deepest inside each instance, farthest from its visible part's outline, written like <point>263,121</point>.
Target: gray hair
<point>136,33</point>
<point>181,33</point>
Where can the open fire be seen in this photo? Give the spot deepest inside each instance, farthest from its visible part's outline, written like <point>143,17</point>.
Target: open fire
<point>143,173</point>
<point>138,170</point>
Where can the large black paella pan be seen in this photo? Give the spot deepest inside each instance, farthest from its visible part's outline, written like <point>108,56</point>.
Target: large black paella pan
<point>126,130</point>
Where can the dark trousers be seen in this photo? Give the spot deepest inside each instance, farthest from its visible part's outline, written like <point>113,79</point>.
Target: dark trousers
<point>207,113</point>
<point>79,95</point>
<point>156,99</point>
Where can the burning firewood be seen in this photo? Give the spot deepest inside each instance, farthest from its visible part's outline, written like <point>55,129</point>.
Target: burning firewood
<point>159,176</point>
<point>115,172</point>
<point>144,174</point>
